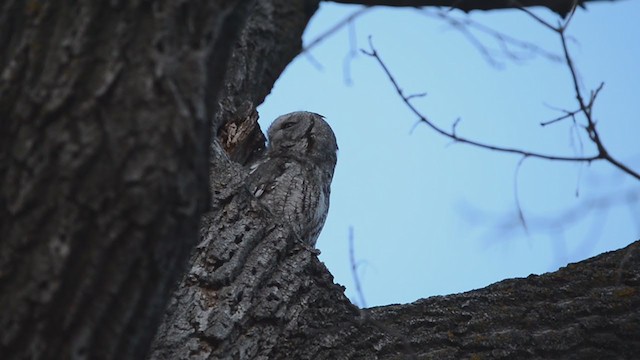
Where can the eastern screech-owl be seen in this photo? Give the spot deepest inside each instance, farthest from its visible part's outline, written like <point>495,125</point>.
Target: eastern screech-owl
<point>293,178</point>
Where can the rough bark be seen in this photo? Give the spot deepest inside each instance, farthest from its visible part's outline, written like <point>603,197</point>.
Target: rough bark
<point>104,137</point>
<point>586,310</point>
<point>106,112</point>
<point>254,292</point>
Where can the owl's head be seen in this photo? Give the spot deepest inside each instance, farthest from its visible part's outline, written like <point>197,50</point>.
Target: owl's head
<point>303,134</point>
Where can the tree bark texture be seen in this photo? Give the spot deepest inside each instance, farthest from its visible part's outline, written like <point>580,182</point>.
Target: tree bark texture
<point>104,137</point>
<point>586,310</point>
<point>253,291</point>
<point>107,112</point>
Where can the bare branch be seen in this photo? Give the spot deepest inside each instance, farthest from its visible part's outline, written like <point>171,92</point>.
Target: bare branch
<point>538,19</point>
<point>561,7</point>
<point>567,115</point>
<point>577,135</point>
<point>564,219</point>
<point>314,61</point>
<point>454,126</point>
<point>351,54</point>
<point>419,95</point>
<point>506,43</point>
<point>354,269</point>
<point>521,218</point>
<point>585,108</point>
<point>373,53</point>
<point>339,25</point>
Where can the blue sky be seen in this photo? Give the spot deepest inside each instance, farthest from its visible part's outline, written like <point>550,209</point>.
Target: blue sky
<point>429,216</point>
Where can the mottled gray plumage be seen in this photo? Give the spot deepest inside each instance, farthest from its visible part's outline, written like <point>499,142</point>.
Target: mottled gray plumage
<point>293,178</point>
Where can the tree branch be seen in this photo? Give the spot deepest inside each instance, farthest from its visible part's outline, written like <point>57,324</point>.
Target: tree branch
<point>506,224</point>
<point>506,43</point>
<point>558,315</point>
<point>585,108</point>
<point>339,25</point>
<point>452,134</point>
<point>561,7</point>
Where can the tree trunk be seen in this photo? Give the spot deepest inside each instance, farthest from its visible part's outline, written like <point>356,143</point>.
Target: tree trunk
<point>106,112</point>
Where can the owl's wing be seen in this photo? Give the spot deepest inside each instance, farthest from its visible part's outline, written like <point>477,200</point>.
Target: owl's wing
<point>264,176</point>
<point>293,190</point>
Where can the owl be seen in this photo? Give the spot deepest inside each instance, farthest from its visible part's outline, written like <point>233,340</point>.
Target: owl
<point>293,178</point>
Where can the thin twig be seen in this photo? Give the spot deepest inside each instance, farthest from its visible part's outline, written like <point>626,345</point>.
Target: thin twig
<point>504,41</point>
<point>521,218</point>
<point>538,19</point>
<point>354,269</point>
<point>339,25</point>
<point>419,95</point>
<point>373,53</point>
<point>567,115</point>
<point>576,133</point>
<point>585,108</point>
<point>351,54</point>
<point>563,219</point>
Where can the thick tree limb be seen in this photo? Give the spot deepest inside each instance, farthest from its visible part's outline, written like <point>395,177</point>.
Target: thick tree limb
<point>255,292</point>
<point>586,310</point>
<point>271,38</point>
<point>561,7</point>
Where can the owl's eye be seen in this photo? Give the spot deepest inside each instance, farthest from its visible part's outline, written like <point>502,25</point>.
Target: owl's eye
<point>288,124</point>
